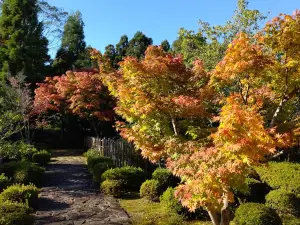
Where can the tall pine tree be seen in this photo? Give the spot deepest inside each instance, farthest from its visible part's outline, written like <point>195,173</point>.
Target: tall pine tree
<point>23,47</point>
<point>73,45</point>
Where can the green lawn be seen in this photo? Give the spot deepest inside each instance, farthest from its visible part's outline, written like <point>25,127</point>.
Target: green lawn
<point>144,212</point>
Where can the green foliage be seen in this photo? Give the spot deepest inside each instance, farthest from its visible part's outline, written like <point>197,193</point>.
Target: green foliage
<point>165,178</point>
<point>73,45</point>
<point>290,220</point>
<point>23,172</point>
<point>165,45</point>
<point>24,48</point>
<point>4,182</point>
<point>168,199</point>
<point>93,160</point>
<point>121,48</point>
<point>12,213</point>
<point>150,190</point>
<point>138,45</point>
<point>131,177</point>
<point>17,151</point>
<point>42,158</point>
<point>91,153</point>
<point>283,202</point>
<point>27,194</point>
<point>112,187</point>
<point>256,214</point>
<point>143,212</point>
<point>283,175</point>
<point>99,169</point>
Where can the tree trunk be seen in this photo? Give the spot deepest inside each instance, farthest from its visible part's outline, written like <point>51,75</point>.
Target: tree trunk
<point>174,126</point>
<point>225,214</point>
<point>214,217</point>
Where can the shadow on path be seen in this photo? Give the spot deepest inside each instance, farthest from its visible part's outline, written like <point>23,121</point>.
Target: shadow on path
<point>69,196</point>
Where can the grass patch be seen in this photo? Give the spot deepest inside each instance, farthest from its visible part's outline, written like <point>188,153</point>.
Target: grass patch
<point>144,212</point>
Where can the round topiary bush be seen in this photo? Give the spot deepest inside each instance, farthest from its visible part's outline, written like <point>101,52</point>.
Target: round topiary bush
<point>256,214</point>
<point>168,199</point>
<point>150,190</point>
<point>4,182</point>
<point>165,178</point>
<point>42,158</point>
<point>112,187</point>
<point>132,177</point>
<point>27,173</point>
<point>99,169</point>
<point>93,160</point>
<point>283,202</point>
<point>27,194</point>
<point>13,213</point>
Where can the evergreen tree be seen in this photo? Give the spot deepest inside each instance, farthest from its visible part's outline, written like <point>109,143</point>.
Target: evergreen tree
<point>23,47</point>
<point>138,45</point>
<point>73,44</point>
<point>165,45</point>
<point>110,52</point>
<point>122,47</point>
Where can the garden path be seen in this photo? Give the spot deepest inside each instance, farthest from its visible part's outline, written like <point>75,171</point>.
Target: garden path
<point>68,196</point>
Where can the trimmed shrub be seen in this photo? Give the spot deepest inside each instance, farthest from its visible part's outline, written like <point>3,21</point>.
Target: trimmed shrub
<point>92,161</point>
<point>150,190</point>
<point>4,182</point>
<point>12,213</point>
<point>283,202</point>
<point>27,173</point>
<point>168,199</point>
<point>42,158</point>
<point>165,178</point>
<point>99,169</point>
<point>91,153</point>
<point>290,220</point>
<point>281,175</point>
<point>26,194</point>
<point>256,214</point>
<point>17,151</point>
<point>131,177</point>
<point>112,187</point>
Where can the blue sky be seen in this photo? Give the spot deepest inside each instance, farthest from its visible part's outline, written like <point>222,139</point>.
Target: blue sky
<point>107,20</point>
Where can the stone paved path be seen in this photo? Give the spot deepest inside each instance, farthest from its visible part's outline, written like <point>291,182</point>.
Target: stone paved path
<point>70,198</point>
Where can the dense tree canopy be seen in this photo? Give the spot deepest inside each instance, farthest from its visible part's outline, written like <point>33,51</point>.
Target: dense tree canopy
<point>24,47</point>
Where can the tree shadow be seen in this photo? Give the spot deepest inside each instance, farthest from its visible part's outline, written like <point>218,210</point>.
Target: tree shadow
<point>46,204</point>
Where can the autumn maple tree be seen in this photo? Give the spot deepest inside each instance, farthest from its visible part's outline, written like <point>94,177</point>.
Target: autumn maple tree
<point>77,93</point>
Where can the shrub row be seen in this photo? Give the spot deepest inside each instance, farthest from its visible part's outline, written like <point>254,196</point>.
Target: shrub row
<point>23,172</point>
<point>13,213</point>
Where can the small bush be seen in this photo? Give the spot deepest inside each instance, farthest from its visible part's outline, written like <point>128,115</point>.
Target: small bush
<point>112,187</point>
<point>91,153</point>
<point>17,151</point>
<point>290,220</point>
<point>12,213</point>
<point>27,173</point>
<point>165,178</point>
<point>4,182</point>
<point>150,190</point>
<point>256,214</point>
<point>22,194</point>
<point>281,175</point>
<point>168,199</point>
<point>92,161</point>
<point>283,202</point>
<point>131,177</point>
<point>42,158</point>
<point>99,169</point>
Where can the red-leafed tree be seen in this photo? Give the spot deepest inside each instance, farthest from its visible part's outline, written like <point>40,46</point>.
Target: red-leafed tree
<point>77,93</point>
